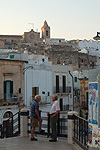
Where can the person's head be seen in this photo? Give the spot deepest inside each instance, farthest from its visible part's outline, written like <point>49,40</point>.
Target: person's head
<point>38,98</point>
<point>54,97</point>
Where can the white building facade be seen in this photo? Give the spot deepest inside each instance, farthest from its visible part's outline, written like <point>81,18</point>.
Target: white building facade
<point>62,85</point>
<point>38,79</point>
<point>45,79</point>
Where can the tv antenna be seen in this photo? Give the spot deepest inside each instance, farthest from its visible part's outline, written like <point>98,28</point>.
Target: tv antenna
<point>32,25</point>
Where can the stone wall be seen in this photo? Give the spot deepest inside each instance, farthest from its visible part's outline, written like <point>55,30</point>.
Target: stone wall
<point>9,38</point>
<point>13,71</point>
<point>2,44</point>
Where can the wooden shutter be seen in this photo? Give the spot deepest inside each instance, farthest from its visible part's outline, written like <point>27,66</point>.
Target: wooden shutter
<point>5,90</point>
<point>11,87</point>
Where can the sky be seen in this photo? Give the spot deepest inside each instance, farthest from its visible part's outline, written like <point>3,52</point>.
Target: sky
<point>69,19</point>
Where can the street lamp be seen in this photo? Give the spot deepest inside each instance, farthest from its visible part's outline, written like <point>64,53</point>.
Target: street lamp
<point>72,87</point>
<point>25,85</point>
<point>29,67</point>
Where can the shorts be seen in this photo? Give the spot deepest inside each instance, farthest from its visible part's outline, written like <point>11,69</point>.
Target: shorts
<point>34,122</point>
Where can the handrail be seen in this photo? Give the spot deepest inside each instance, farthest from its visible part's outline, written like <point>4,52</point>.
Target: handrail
<point>81,118</point>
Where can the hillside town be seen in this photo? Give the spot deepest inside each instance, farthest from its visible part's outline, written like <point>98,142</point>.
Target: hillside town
<point>31,65</point>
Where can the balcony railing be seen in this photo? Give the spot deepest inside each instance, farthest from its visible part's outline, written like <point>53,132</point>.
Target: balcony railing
<point>62,89</point>
<point>64,107</point>
<point>10,98</point>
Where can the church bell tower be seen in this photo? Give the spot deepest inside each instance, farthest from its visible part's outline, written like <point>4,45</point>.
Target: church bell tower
<point>45,30</point>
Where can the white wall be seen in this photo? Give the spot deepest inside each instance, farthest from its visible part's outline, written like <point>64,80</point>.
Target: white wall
<point>38,77</point>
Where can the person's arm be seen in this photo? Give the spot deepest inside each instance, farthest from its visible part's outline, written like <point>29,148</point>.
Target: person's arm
<point>47,113</point>
<point>58,111</point>
<point>36,111</point>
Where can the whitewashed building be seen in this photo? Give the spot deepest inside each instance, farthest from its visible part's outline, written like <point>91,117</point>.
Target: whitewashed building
<point>62,85</point>
<point>38,79</point>
<point>45,79</point>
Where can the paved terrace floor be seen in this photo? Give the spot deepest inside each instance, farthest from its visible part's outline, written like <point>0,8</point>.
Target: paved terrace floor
<point>24,143</point>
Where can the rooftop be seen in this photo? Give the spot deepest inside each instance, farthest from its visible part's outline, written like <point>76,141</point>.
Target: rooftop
<point>24,143</point>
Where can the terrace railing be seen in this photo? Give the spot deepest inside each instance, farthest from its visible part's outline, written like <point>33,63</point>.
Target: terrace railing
<point>81,131</point>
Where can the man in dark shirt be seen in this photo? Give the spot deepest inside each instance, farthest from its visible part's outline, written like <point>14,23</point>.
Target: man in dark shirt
<point>35,117</point>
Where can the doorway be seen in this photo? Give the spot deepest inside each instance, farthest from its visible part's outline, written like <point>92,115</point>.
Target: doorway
<point>61,104</point>
<point>35,91</point>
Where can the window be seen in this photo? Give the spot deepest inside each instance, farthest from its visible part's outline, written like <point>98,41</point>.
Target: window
<point>43,92</point>
<point>8,114</point>
<point>57,84</point>
<point>8,89</point>
<point>81,60</point>
<point>43,59</point>
<point>35,91</point>
<point>59,41</point>
<point>58,61</point>
<point>75,79</point>
<point>70,61</point>
<point>11,56</point>
<point>19,90</point>
<point>48,93</point>
<point>64,83</point>
<point>46,33</point>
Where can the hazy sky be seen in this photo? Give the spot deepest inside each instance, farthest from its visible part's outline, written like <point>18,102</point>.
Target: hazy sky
<point>69,19</point>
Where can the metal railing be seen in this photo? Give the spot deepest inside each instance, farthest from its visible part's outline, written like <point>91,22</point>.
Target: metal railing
<point>10,97</point>
<point>64,107</point>
<point>1,131</point>
<point>62,89</point>
<point>81,132</point>
<point>11,126</point>
<point>61,124</point>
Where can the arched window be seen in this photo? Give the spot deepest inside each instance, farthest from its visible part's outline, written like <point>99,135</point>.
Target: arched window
<point>8,114</point>
<point>46,33</point>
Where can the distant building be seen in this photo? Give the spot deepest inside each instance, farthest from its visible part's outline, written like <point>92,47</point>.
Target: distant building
<point>31,36</point>
<point>2,43</point>
<point>81,92</point>
<point>10,38</point>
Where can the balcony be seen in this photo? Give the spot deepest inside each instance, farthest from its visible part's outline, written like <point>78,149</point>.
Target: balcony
<point>64,107</point>
<point>10,98</point>
<point>62,90</point>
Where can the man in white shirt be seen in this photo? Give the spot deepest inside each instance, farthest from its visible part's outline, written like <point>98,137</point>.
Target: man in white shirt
<point>55,109</point>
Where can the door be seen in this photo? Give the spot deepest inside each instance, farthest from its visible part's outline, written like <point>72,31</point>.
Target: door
<point>35,91</point>
<point>64,83</point>
<point>57,84</point>
<point>61,104</point>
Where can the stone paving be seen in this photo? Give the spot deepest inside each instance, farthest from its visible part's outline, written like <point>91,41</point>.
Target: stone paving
<point>24,143</point>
